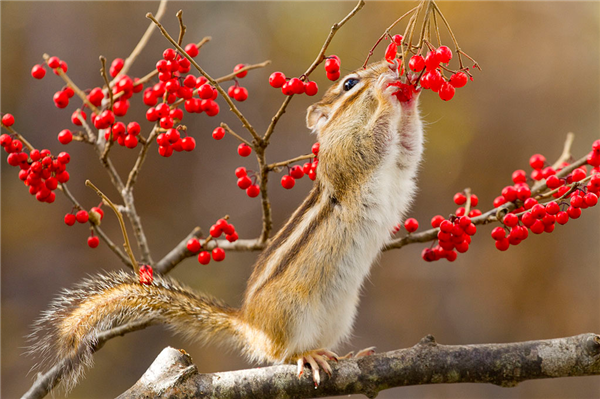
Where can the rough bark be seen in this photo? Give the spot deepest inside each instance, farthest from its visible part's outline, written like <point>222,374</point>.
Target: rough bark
<point>173,374</point>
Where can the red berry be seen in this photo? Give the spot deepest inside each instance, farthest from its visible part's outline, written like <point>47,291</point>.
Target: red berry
<point>296,172</point>
<point>498,233</point>
<point>459,79</point>
<point>232,237</point>
<point>240,94</point>
<point>93,241</point>
<point>131,141</point>
<point>277,79</point>
<point>397,39</point>
<point>519,176</point>
<point>296,85</point>
<point>165,151</point>
<point>573,212</point>
<point>416,63</point>
<point>288,182</point>
<point>188,143</point>
<point>244,182</point>
<point>146,275</point>
<point>38,71</point>
<point>553,182</point>
<point>444,54</point>
<point>537,227</point>
<point>576,201</point>
<point>562,217</point>
<point>511,220</point>
<point>244,150</point>
<point>82,216</point>
<point>8,120</point>
<point>204,258</point>
<point>218,133</point>
<point>241,172</point>
<point>428,255</point>
<point>311,88</point>
<point>538,211</point>
<point>61,100</point>
<point>459,198</point>
<point>552,208</point>
<point>315,148</point>
<point>215,231</point>
<point>391,51</point>
<point>332,65</point>
<point>523,193</point>
<point>253,191</point>
<point>578,174</point>
<point>70,219</point>
<point>436,221</point>
<point>591,199</point>
<point>53,62</point>
<point>192,50</point>
<point>65,136</point>
<point>432,61</point>
<point>237,68</point>
<point>411,225</point>
<point>537,161</point>
<point>218,254</point>
<point>509,193</point>
<point>333,76</point>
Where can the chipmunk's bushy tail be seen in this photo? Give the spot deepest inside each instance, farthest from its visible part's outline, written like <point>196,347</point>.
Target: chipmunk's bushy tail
<point>68,331</point>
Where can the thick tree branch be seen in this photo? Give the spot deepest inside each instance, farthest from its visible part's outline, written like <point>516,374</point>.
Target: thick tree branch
<point>173,375</point>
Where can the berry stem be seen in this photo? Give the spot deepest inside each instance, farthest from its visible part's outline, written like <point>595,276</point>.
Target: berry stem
<point>126,244</point>
<point>234,134</point>
<point>467,192</point>
<point>133,174</point>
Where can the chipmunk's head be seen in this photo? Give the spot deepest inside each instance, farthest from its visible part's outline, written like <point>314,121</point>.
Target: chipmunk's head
<point>361,120</point>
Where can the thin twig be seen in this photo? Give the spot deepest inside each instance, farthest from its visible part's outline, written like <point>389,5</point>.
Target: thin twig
<point>182,27</point>
<point>234,134</point>
<point>214,83</point>
<point>386,33</point>
<point>162,7</point>
<point>106,81</point>
<point>232,75</point>
<point>566,153</point>
<point>320,58</point>
<point>73,86</point>
<point>133,174</point>
<point>126,244</point>
<point>177,254</point>
<point>277,165</point>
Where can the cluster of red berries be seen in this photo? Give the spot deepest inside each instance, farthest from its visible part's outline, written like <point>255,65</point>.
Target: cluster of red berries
<point>297,172</point>
<point>125,136</point>
<point>332,67</point>
<point>146,276</point>
<point>61,98</point>
<point>430,72</point>
<point>293,85</point>
<point>236,91</point>
<point>38,71</point>
<point>216,230</point>
<point>171,141</point>
<point>246,183</point>
<point>455,232</point>
<point>40,171</point>
<point>95,215</point>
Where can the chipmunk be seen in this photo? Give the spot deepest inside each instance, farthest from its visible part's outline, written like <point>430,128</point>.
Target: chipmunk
<point>302,296</point>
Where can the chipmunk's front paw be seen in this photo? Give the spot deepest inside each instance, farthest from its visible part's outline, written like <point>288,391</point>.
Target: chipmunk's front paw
<point>317,359</point>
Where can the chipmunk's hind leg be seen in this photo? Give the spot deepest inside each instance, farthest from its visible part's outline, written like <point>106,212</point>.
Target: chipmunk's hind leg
<point>317,360</point>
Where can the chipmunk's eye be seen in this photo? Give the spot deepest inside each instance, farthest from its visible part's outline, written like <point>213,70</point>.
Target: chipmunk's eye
<point>350,83</point>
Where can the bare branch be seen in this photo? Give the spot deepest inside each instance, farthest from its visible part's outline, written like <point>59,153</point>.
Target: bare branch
<point>234,134</point>
<point>232,75</point>
<point>133,174</point>
<point>173,375</point>
<point>177,254</point>
<point>162,7</point>
<point>278,165</point>
<point>182,27</point>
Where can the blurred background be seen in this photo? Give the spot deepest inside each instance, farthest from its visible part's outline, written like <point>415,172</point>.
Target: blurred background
<point>540,80</point>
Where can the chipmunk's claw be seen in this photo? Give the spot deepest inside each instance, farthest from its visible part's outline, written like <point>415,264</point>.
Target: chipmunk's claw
<point>317,360</point>
<point>365,352</point>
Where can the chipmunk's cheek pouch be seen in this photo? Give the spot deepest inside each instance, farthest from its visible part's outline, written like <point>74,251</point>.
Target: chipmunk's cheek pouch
<point>316,116</point>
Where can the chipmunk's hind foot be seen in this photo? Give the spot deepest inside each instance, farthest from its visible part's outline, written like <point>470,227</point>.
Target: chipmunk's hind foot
<point>317,360</point>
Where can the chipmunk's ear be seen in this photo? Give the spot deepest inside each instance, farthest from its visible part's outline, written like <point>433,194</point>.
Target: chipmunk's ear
<point>316,116</point>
